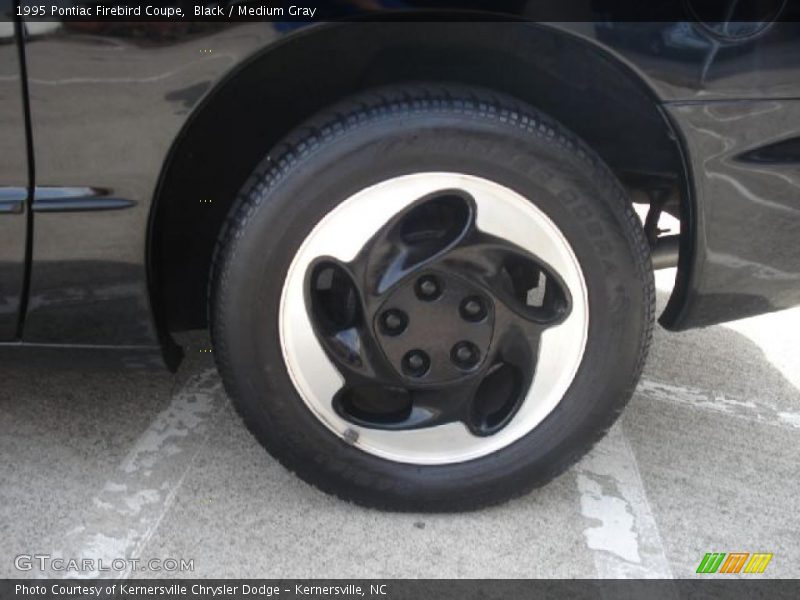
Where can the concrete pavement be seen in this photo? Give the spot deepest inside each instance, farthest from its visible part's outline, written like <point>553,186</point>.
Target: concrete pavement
<point>141,464</point>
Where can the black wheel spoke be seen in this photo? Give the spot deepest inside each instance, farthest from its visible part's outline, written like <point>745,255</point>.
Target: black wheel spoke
<point>413,239</point>
<point>341,325</point>
<point>435,321</point>
<point>524,283</point>
<point>394,408</point>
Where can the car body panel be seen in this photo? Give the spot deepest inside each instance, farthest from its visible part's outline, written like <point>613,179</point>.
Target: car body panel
<point>747,256</point>
<point>14,184</point>
<point>107,105</point>
<point>762,65</point>
<point>105,111</point>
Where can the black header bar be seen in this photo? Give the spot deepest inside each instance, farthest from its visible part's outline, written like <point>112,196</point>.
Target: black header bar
<point>710,11</point>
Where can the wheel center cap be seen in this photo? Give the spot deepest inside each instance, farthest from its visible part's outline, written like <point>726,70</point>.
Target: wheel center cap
<point>435,329</point>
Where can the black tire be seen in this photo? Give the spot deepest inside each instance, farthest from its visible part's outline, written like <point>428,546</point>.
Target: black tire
<point>391,132</point>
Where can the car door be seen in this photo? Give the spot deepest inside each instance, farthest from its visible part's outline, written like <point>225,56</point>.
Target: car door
<point>14,177</point>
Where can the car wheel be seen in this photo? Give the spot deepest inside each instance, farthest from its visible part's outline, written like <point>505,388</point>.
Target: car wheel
<point>431,298</point>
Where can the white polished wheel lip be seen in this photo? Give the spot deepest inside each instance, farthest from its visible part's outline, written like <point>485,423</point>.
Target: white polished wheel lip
<point>342,233</point>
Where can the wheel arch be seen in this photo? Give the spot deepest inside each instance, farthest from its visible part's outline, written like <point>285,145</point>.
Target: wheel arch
<point>589,89</point>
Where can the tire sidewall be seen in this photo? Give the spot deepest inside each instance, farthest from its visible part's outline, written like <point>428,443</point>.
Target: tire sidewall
<point>298,189</point>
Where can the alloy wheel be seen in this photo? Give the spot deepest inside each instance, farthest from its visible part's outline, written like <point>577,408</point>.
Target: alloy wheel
<point>433,318</point>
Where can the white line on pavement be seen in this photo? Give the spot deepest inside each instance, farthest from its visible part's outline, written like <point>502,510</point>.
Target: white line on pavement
<point>128,509</point>
<point>621,532</point>
<point>761,411</point>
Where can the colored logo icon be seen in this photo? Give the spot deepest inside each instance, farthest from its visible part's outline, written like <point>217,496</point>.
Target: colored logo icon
<point>734,562</point>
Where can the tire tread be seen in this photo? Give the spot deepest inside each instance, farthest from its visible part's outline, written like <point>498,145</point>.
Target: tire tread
<point>345,119</point>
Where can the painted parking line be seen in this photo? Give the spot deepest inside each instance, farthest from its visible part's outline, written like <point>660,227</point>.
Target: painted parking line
<point>761,411</point>
<point>620,528</point>
<point>125,513</point>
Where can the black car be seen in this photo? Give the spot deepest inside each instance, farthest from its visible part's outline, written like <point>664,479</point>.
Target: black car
<point>413,240</point>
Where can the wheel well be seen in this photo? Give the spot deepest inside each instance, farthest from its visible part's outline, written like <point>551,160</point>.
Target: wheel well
<point>579,84</point>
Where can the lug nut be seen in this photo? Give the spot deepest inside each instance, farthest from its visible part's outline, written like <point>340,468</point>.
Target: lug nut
<point>472,309</point>
<point>394,322</point>
<point>428,288</point>
<point>416,363</point>
<point>465,355</point>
